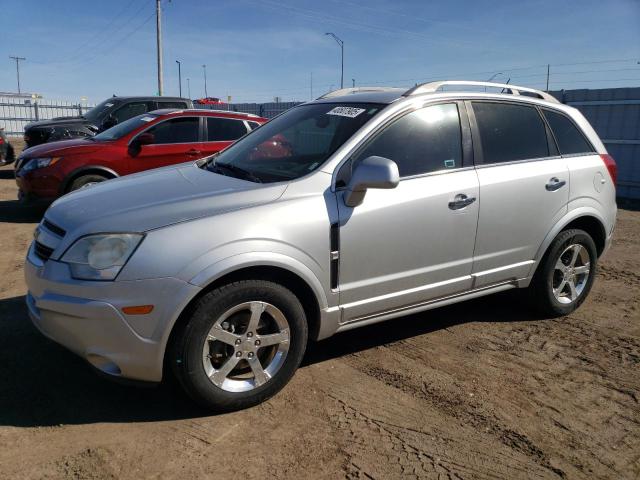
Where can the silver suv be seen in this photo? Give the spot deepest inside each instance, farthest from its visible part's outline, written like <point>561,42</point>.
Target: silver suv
<point>361,206</point>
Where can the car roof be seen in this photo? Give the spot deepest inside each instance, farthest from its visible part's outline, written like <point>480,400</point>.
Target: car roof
<point>151,98</point>
<point>207,112</point>
<point>387,95</point>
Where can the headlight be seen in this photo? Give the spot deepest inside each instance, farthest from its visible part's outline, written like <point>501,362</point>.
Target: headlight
<point>35,163</point>
<point>100,257</point>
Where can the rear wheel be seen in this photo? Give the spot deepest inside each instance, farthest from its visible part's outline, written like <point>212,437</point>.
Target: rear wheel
<point>565,276</point>
<point>241,345</point>
<point>85,181</point>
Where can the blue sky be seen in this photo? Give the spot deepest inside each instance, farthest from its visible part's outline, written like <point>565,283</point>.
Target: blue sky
<point>258,49</point>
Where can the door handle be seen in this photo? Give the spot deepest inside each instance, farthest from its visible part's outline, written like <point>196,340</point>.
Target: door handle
<point>461,201</point>
<point>554,184</point>
<point>193,151</point>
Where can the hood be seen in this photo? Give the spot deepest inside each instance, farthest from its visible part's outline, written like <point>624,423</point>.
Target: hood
<point>156,198</point>
<point>62,147</point>
<point>58,121</point>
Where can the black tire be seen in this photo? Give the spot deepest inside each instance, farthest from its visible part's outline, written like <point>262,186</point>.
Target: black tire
<point>85,180</point>
<point>186,351</point>
<point>541,288</point>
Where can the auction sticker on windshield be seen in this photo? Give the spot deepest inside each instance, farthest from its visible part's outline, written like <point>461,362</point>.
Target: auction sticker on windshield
<point>350,112</point>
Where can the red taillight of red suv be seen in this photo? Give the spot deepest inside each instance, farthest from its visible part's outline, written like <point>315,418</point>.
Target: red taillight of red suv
<point>610,163</point>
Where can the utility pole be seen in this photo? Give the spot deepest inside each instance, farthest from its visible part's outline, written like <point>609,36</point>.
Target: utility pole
<point>189,87</point>
<point>204,70</point>
<point>179,77</point>
<point>159,44</point>
<point>341,43</point>
<point>548,67</point>
<point>17,59</point>
<point>353,82</point>
<point>311,87</point>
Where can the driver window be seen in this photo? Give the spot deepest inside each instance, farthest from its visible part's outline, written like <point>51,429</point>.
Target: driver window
<point>177,130</point>
<point>423,141</point>
<point>128,111</point>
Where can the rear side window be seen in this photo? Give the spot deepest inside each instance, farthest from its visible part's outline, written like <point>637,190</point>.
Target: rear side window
<point>423,141</point>
<point>254,125</point>
<point>510,132</point>
<point>224,129</point>
<point>180,105</point>
<point>177,130</point>
<point>569,138</point>
<point>129,110</point>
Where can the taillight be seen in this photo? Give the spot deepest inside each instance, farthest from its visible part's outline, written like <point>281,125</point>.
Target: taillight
<point>610,163</point>
<point>1,140</point>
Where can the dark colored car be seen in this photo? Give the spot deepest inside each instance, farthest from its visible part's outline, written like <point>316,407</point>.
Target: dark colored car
<point>103,116</point>
<point>7,154</point>
<point>151,140</point>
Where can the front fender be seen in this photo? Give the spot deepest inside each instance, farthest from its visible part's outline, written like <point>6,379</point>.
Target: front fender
<point>227,265</point>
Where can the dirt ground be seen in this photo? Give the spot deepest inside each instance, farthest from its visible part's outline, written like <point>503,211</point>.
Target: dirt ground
<point>483,389</point>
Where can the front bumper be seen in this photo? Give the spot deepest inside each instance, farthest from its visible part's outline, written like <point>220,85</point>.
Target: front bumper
<point>86,317</point>
<point>37,184</point>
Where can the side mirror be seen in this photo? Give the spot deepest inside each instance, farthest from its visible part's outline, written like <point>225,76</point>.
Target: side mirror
<point>145,138</point>
<point>136,144</point>
<point>372,172</point>
<point>109,122</point>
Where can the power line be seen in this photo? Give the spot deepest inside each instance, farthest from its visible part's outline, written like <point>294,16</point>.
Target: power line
<point>109,50</point>
<point>95,54</point>
<point>79,51</point>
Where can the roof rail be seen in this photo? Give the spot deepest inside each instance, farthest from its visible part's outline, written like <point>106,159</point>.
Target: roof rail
<point>432,87</point>
<point>348,91</point>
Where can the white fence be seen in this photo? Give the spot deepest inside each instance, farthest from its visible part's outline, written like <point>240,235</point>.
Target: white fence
<point>16,112</point>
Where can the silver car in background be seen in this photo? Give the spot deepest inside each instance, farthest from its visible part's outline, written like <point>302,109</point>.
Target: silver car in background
<point>361,206</point>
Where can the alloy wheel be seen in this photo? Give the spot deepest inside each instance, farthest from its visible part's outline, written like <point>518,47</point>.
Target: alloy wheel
<point>570,274</point>
<point>246,346</point>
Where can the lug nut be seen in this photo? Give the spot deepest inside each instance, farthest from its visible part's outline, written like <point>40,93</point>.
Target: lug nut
<point>238,354</point>
<point>257,343</point>
<point>250,334</point>
<point>250,355</point>
<point>238,342</point>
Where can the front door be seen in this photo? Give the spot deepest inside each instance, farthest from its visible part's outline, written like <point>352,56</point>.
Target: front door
<point>412,244</point>
<point>174,141</point>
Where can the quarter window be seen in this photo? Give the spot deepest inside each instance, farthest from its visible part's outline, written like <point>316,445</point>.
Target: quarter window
<point>224,129</point>
<point>510,132</point>
<point>569,138</point>
<point>177,130</point>
<point>423,141</point>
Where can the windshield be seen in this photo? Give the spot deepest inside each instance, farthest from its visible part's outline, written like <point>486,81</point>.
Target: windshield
<point>122,129</point>
<point>96,112</point>
<point>295,143</point>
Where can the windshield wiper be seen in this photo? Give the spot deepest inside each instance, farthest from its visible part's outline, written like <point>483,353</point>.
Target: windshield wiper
<point>246,174</point>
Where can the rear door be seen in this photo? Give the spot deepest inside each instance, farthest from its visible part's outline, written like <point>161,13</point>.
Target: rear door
<point>221,132</point>
<point>524,188</point>
<point>176,140</point>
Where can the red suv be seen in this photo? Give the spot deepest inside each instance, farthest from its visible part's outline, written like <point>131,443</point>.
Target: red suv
<point>151,140</point>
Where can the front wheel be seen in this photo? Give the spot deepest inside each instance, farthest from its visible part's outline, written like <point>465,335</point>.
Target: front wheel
<point>565,276</point>
<point>241,344</point>
<point>86,181</point>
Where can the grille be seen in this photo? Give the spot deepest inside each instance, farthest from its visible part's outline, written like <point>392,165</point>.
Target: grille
<point>42,251</point>
<point>53,228</point>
